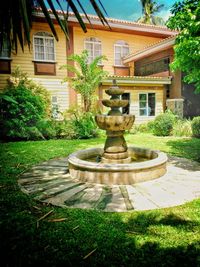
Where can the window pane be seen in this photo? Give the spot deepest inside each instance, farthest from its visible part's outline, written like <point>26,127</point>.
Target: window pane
<point>143,97</point>
<point>44,47</point>
<point>143,112</point>
<point>151,104</point>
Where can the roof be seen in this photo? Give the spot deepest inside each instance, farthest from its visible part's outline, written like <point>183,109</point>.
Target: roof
<point>115,23</point>
<point>131,80</point>
<point>151,49</point>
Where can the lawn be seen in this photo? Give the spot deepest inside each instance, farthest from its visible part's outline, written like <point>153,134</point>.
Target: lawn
<point>75,237</point>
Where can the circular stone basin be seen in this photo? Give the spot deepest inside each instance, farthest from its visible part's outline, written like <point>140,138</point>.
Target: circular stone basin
<point>153,166</point>
<point>115,123</point>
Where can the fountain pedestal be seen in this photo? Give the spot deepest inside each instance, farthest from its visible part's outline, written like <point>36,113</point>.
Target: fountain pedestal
<point>115,124</point>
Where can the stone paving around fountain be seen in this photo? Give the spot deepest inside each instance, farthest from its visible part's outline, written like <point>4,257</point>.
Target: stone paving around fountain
<point>50,182</point>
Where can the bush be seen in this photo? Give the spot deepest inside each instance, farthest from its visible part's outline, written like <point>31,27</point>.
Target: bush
<point>47,129</point>
<point>20,111</point>
<point>196,127</point>
<point>182,128</point>
<point>84,125</point>
<point>64,129</point>
<point>163,124</point>
<point>19,78</point>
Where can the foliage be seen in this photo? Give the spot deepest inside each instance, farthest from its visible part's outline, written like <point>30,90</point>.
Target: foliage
<point>182,128</point>
<point>163,124</point>
<point>196,126</point>
<point>149,8</point>
<point>19,78</point>
<point>186,17</point>
<point>87,76</point>
<point>138,238</point>
<point>84,125</point>
<point>17,17</point>
<point>47,129</point>
<point>20,112</point>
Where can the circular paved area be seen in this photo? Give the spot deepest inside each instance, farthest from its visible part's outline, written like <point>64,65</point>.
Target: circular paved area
<point>50,182</point>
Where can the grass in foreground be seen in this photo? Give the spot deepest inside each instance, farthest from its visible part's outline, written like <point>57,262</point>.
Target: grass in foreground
<point>75,237</point>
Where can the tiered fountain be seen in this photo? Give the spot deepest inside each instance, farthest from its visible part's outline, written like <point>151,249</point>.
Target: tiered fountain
<point>118,164</point>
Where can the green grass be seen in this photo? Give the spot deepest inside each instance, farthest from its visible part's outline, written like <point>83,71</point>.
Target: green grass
<point>166,237</point>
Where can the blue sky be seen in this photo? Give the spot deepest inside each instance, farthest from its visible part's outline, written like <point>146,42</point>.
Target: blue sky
<point>128,9</point>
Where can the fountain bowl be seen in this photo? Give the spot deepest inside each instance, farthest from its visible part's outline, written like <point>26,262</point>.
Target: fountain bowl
<point>115,123</point>
<point>115,103</point>
<point>83,167</point>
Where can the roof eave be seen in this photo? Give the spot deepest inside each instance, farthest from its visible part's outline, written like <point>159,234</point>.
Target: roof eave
<point>149,51</point>
<point>137,80</point>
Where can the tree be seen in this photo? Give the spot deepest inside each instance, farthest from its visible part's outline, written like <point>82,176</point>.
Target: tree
<point>86,76</point>
<point>186,19</point>
<point>17,16</point>
<point>149,8</point>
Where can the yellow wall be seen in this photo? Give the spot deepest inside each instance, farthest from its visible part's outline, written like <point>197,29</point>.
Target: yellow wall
<point>50,82</point>
<point>108,39</point>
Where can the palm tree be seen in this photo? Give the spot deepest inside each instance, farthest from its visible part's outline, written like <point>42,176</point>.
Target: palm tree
<point>86,76</point>
<point>149,8</point>
<point>16,18</point>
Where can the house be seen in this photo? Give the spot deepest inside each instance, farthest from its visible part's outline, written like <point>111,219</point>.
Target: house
<point>130,48</point>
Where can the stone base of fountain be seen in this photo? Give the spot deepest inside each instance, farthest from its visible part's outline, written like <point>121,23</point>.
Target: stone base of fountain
<point>152,165</point>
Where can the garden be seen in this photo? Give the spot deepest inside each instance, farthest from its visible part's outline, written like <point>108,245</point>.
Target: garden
<point>36,233</point>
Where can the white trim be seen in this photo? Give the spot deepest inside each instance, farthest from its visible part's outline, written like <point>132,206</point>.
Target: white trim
<point>93,43</point>
<point>54,47</point>
<point>162,45</point>
<point>121,46</point>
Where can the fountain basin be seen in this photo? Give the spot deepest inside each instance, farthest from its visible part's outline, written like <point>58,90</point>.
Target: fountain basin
<point>115,103</point>
<point>115,123</point>
<point>82,168</point>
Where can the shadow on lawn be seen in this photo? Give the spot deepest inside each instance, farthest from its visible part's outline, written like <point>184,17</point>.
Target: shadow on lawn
<point>186,148</point>
<point>115,240</point>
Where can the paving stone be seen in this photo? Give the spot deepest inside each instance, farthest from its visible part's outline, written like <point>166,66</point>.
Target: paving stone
<point>59,199</point>
<point>50,182</point>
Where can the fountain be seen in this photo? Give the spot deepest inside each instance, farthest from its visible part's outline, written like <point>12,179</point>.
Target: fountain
<point>118,164</point>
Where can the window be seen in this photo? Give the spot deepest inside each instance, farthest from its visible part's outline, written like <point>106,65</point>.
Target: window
<point>44,47</point>
<point>54,106</point>
<point>121,49</point>
<point>5,52</point>
<point>93,46</point>
<point>152,67</point>
<point>5,60</point>
<point>147,103</point>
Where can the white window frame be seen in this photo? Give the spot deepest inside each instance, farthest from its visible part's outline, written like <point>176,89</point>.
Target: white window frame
<point>93,43</point>
<point>54,107</point>
<point>121,44</point>
<point>44,37</point>
<point>147,101</point>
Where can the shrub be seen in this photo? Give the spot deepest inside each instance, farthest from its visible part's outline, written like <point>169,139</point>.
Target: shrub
<point>196,127</point>
<point>64,129</point>
<point>47,129</point>
<point>20,111</point>
<point>163,124</point>
<point>19,78</point>
<point>182,128</point>
<point>84,125</point>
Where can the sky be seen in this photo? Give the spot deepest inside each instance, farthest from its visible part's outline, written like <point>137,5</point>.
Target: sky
<point>128,9</point>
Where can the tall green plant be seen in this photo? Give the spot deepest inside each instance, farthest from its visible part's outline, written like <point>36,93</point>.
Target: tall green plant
<point>149,8</point>
<point>186,19</point>
<point>87,77</point>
